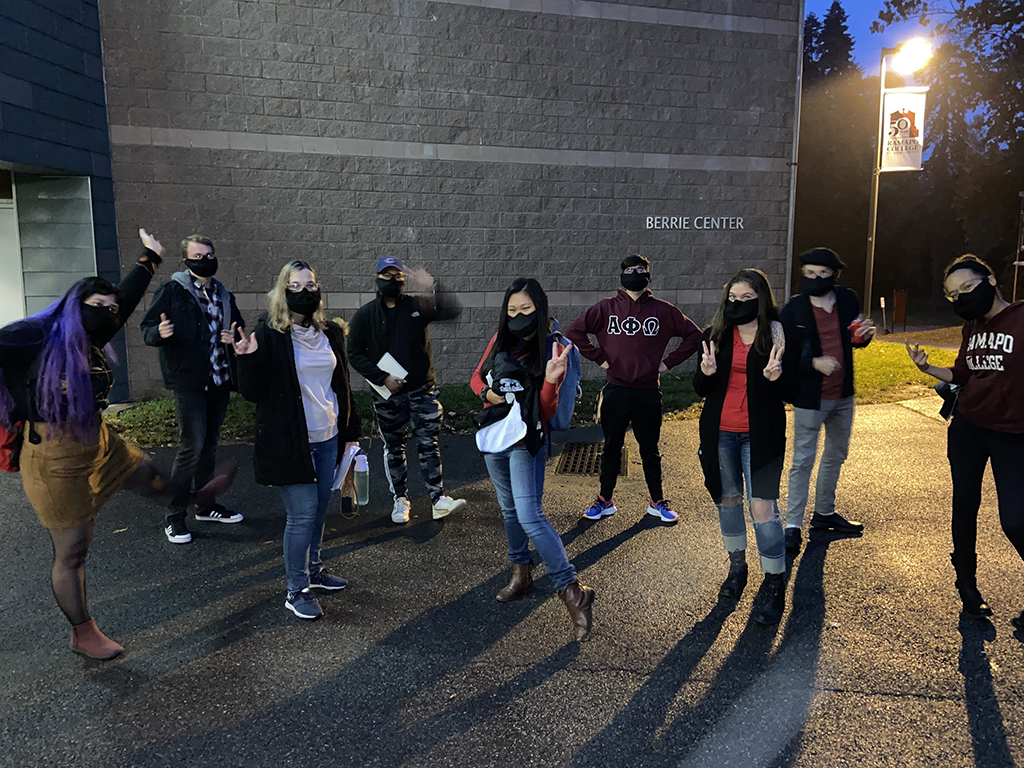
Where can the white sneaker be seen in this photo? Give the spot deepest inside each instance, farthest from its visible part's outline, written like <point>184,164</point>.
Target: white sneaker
<point>445,505</point>
<point>400,514</point>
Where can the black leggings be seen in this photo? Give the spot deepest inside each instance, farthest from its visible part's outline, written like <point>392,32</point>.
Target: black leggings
<point>641,407</point>
<point>71,545</point>
<point>969,448</point>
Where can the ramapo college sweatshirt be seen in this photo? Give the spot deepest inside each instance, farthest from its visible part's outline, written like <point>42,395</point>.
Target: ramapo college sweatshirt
<point>633,336</point>
<point>990,368</point>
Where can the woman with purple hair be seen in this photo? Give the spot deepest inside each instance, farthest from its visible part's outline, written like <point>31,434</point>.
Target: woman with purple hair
<point>55,378</point>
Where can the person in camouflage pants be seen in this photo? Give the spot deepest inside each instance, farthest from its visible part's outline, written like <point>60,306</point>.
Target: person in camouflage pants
<point>395,323</point>
<point>421,410</point>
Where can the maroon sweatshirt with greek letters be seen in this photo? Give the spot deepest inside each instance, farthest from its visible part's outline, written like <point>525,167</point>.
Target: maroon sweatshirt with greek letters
<point>633,336</point>
<point>990,368</point>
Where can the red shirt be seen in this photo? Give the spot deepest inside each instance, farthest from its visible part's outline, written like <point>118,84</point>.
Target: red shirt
<point>734,410</point>
<point>831,346</point>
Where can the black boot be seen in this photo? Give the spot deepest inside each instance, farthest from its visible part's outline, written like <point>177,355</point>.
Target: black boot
<point>735,582</point>
<point>967,585</point>
<point>771,600</point>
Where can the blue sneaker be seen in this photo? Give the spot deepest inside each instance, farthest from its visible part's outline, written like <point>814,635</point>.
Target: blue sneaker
<point>600,508</point>
<point>663,510</point>
<point>303,605</point>
<point>325,580</point>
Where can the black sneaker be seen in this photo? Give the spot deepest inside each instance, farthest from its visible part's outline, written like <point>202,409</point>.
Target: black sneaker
<point>218,513</point>
<point>177,531</point>
<point>326,580</point>
<point>835,522</point>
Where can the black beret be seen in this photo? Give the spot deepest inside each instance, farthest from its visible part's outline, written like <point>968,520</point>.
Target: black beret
<point>824,257</point>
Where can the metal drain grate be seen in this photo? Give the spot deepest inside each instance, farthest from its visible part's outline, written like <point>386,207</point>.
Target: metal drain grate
<point>585,459</point>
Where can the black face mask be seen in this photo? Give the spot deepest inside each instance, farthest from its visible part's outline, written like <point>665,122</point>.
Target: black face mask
<point>99,322</point>
<point>818,286</point>
<point>635,282</point>
<point>976,304</point>
<point>304,303</point>
<point>390,289</point>
<point>201,267</point>
<point>522,325</point>
<point>741,312</point>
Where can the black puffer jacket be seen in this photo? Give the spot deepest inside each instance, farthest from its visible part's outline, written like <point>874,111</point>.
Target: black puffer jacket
<point>268,378</point>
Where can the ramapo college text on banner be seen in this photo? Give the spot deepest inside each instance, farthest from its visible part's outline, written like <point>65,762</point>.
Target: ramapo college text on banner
<point>904,141</point>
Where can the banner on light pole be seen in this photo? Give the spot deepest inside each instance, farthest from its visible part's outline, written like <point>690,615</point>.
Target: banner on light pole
<point>903,116</point>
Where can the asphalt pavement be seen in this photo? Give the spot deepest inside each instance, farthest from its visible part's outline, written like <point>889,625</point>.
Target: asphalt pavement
<point>415,664</point>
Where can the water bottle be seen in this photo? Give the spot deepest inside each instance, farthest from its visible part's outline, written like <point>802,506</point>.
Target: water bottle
<point>362,480</point>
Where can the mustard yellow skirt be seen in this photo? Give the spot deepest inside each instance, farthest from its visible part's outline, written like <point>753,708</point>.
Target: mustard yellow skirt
<point>67,481</point>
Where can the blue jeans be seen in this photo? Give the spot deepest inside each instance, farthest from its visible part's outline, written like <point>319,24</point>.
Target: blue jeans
<point>305,504</point>
<point>518,481</point>
<point>734,465</point>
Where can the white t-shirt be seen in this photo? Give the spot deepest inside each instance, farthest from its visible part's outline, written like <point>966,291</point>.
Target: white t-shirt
<point>315,362</point>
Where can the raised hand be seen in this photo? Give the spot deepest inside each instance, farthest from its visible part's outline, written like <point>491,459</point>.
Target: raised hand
<point>918,356</point>
<point>773,370</point>
<point>151,242</point>
<point>419,281</point>
<point>166,327</point>
<point>708,363</point>
<point>555,369</point>
<point>243,345</point>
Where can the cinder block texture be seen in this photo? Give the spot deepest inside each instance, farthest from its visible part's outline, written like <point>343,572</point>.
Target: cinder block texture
<point>480,141</point>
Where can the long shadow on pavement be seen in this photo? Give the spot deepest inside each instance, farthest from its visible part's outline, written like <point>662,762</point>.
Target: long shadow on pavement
<point>984,716</point>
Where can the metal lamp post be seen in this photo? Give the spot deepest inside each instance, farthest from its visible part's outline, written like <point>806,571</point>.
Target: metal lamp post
<point>909,58</point>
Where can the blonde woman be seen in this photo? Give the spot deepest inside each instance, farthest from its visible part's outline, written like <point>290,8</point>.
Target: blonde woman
<point>293,366</point>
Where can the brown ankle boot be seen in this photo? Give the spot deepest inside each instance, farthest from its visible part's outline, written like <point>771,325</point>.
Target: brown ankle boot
<point>89,641</point>
<point>520,584</point>
<point>578,599</point>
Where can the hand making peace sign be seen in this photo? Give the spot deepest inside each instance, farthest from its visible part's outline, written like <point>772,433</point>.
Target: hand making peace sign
<point>708,363</point>
<point>556,365</point>
<point>773,370</point>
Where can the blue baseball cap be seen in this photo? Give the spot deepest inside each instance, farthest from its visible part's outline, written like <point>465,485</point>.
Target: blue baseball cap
<point>389,261</point>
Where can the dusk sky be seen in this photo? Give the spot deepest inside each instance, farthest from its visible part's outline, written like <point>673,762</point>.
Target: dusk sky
<point>867,46</point>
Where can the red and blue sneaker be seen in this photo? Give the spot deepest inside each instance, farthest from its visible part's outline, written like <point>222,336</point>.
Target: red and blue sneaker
<point>662,510</point>
<point>600,508</point>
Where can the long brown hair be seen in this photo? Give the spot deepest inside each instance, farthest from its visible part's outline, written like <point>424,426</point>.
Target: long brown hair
<point>767,312</point>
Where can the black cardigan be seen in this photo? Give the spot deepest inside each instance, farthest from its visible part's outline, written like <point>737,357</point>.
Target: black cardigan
<point>804,345</point>
<point>268,378</point>
<point>767,414</point>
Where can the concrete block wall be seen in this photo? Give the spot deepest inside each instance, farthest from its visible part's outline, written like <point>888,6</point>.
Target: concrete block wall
<point>478,142</point>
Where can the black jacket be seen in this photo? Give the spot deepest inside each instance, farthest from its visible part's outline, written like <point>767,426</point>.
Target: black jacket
<point>185,356</point>
<point>368,331</point>
<point>767,413</point>
<point>22,341</point>
<point>267,377</point>
<point>803,345</point>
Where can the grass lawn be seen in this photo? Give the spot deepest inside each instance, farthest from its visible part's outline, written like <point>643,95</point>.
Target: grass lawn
<point>884,374</point>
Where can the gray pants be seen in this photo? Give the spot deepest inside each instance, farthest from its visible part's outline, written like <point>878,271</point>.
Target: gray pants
<point>837,418</point>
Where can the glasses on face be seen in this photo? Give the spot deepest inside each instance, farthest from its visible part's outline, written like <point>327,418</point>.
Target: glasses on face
<point>967,287</point>
<point>640,270</point>
<point>391,277</point>
<point>296,287</point>
<point>200,256</point>
<point>811,273</point>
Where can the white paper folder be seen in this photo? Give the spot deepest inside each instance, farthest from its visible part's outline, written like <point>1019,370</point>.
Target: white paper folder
<point>388,364</point>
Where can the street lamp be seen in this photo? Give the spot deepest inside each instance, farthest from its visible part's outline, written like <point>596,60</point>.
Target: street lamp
<point>907,59</point>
